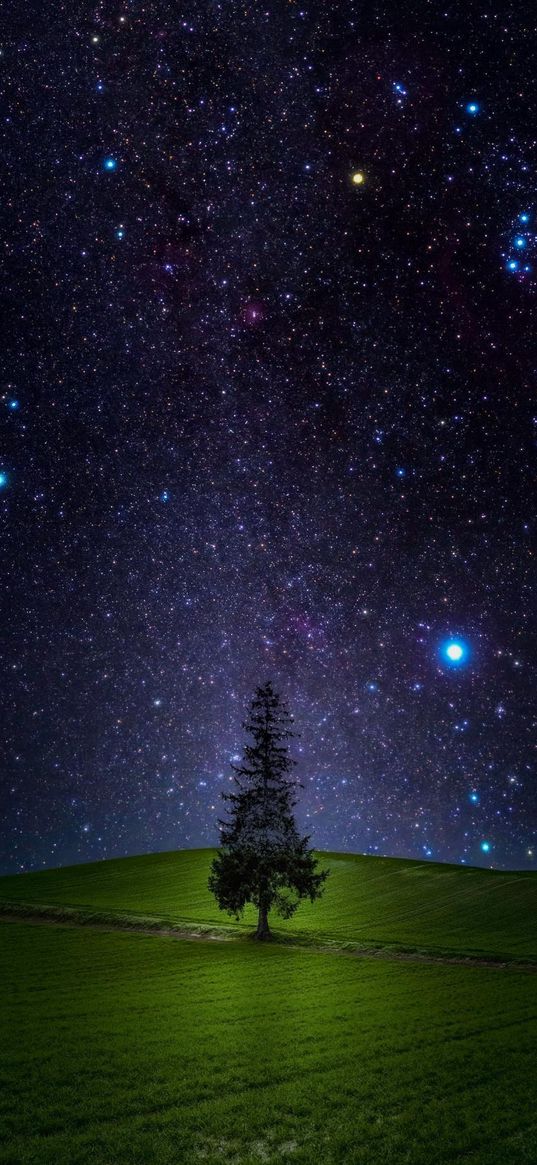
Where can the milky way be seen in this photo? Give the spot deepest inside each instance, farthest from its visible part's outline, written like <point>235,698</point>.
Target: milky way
<point>267,411</point>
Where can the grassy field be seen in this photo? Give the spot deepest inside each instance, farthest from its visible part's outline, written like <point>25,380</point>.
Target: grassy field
<point>368,900</point>
<point>128,1048</point>
<point>147,1050</point>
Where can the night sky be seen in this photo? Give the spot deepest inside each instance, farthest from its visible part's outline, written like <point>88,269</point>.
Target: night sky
<point>268,412</point>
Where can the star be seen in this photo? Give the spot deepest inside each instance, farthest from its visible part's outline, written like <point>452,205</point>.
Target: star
<point>472,107</point>
<point>454,652</point>
<point>109,164</point>
<point>358,178</point>
<point>485,847</point>
<point>3,479</point>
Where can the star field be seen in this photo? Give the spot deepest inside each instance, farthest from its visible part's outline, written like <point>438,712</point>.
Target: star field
<point>267,410</point>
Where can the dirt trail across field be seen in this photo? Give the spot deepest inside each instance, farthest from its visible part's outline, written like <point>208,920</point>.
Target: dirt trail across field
<point>48,917</point>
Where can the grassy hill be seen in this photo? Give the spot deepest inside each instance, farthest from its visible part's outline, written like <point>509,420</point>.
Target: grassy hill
<point>131,1048</point>
<point>369,901</point>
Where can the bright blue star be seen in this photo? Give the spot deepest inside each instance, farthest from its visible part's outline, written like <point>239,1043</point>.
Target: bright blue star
<point>520,241</point>
<point>485,846</point>
<point>454,652</point>
<point>3,479</point>
<point>513,265</point>
<point>524,217</point>
<point>109,164</point>
<point>474,798</point>
<point>120,234</point>
<point>472,107</point>
<point>164,497</point>
<point>13,405</point>
<point>400,472</point>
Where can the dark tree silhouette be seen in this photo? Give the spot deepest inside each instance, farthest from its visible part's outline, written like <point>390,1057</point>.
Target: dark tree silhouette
<point>262,858</point>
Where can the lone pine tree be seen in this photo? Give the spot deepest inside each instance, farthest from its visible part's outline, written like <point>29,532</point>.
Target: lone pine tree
<point>262,858</point>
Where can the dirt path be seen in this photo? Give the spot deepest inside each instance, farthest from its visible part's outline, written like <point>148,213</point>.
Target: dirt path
<point>210,935</point>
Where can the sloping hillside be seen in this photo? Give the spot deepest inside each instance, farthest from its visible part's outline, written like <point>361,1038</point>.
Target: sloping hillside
<point>368,900</point>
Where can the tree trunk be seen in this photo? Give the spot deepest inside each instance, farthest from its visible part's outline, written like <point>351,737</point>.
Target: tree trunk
<point>262,931</point>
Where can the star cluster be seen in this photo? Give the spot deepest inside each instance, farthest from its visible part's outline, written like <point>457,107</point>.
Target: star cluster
<point>266,411</point>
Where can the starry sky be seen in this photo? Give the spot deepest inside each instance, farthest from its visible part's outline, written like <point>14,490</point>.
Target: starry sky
<point>267,410</point>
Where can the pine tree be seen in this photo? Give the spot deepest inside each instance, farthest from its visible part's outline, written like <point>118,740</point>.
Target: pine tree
<point>262,858</point>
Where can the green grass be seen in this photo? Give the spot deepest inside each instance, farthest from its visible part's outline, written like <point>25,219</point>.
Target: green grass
<point>384,902</point>
<point>131,1049</point>
<point>122,1048</point>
